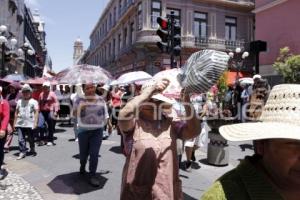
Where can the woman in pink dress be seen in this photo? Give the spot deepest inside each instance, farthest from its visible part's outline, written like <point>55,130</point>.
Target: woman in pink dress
<point>151,168</point>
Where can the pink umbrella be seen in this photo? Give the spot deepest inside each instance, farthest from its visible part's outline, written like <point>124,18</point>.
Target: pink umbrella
<point>40,81</point>
<point>79,74</point>
<point>174,88</point>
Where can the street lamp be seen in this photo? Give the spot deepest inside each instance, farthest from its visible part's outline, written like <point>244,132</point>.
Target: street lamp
<point>237,60</point>
<point>3,41</point>
<point>24,51</point>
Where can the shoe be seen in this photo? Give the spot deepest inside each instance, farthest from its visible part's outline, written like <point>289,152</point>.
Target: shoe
<point>6,150</point>
<point>21,156</point>
<point>82,170</point>
<point>94,181</point>
<point>188,166</point>
<point>40,143</point>
<point>50,144</point>
<point>193,156</point>
<point>33,153</point>
<point>3,174</point>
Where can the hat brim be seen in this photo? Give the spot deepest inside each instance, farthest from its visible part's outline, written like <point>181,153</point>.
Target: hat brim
<point>164,99</point>
<point>259,131</point>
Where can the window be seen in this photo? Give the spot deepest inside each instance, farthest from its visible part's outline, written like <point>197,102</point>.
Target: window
<point>230,28</point>
<point>131,33</point>
<point>110,20</point>
<point>140,17</point>
<point>120,8</point>
<point>115,15</point>
<point>200,25</point>
<point>176,14</point>
<point>125,37</point>
<point>114,48</point>
<point>120,42</point>
<point>155,12</point>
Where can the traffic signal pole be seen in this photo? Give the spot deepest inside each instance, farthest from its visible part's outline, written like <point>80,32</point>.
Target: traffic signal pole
<point>172,39</point>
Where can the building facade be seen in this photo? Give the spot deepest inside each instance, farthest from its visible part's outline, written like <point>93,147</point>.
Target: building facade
<point>78,51</point>
<point>12,16</point>
<point>124,38</point>
<point>276,23</point>
<point>25,27</point>
<point>35,35</point>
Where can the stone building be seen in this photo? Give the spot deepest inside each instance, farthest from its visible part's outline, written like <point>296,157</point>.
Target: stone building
<point>26,27</point>
<point>124,38</point>
<point>78,51</point>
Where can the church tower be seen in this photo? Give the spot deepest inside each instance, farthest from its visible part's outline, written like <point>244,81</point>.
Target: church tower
<point>78,51</point>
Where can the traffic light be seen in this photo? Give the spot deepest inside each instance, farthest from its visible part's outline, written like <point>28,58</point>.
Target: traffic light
<point>176,40</point>
<point>163,33</point>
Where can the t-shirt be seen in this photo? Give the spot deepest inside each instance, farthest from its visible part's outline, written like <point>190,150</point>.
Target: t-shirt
<point>26,110</point>
<point>91,115</point>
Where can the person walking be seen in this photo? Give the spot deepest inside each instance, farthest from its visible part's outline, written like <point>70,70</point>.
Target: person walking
<point>150,133</point>
<point>4,120</point>
<point>49,107</point>
<point>26,121</point>
<point>92,115</point>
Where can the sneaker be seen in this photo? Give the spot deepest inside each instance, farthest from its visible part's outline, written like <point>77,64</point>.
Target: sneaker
<point>50,144</point>
<point>33,153</point>
<point>94,181</point>
<point>40,143</point>
<point>21,156</point>
<point>3,174</point>
<point>188,166</point>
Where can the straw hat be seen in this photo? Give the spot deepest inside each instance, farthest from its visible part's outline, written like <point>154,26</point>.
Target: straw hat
<point>158,96</point>
<point>280,118</point>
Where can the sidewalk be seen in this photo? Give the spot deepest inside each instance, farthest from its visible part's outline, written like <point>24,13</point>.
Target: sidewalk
<point>14,187</point>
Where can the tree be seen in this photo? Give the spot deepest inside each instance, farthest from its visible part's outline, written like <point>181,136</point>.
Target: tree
<point>288,65</point>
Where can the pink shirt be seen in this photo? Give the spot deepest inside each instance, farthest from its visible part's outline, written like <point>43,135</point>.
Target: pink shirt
<point>4,114</point>
<point>48,102</point>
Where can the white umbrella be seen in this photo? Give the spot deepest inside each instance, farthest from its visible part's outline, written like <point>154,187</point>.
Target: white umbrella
<point>132,77</point>
<point>245,81</point>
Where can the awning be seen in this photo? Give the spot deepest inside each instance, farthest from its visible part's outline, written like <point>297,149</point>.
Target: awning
<point>233,76</point>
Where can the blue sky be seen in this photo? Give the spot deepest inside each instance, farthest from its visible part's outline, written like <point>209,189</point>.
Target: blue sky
<point>65,21</point>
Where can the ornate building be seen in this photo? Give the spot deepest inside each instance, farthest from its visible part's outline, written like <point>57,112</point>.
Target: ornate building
<point>124,38</point>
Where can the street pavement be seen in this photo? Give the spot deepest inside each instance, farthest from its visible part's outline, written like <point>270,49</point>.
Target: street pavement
<point>53,173</point>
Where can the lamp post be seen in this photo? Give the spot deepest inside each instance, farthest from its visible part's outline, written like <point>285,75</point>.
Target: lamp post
<point>25,50</point>
<point>237,60</point>
<point>4,40</point>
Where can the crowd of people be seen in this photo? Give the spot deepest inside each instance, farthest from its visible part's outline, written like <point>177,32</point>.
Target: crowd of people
<point>155,130</point>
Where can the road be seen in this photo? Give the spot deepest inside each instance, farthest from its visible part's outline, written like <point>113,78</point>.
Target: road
<point>53,173</point>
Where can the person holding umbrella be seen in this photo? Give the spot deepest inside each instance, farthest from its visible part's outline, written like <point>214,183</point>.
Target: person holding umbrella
<point>150,133</point>
<point>4,120</point>
<point>91,116</point>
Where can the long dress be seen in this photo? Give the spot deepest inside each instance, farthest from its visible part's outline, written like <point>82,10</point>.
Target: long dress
<point>151,169</point>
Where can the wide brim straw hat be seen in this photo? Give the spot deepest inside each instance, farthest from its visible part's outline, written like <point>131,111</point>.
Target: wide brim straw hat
<point>280,118</point>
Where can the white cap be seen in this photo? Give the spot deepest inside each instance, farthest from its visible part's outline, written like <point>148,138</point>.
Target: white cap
<point>26,87</point>
<point>256,76</point>
<point>47,84</point>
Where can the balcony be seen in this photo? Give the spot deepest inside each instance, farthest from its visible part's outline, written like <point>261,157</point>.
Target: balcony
<point>242,5</point>
<point>219,44</point>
